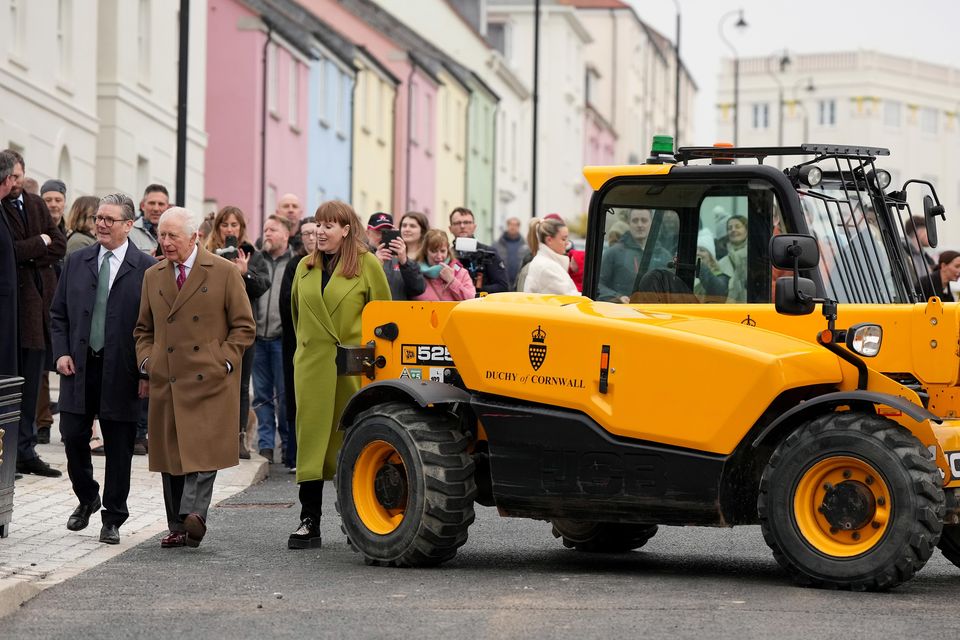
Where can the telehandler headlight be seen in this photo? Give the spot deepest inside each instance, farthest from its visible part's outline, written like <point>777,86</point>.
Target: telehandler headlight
<point>810,175</point>
<point>880,178</point>
<point>865,339</point>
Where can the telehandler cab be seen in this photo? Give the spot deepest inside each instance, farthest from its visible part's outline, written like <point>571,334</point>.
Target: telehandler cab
<point>692,384</point>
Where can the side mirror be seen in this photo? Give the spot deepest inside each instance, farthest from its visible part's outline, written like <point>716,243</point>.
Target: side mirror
<point>930,211</point>
<point>795,299</point>
<point>794,252</point>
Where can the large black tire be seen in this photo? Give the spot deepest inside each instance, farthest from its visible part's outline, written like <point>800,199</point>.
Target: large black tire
<point>405,486</point>
<point>950,543</point>
<point>851,501</point>
<point>602,537</point>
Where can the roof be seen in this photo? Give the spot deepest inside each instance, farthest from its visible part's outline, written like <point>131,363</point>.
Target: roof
<point>595,4</point>
<point>324,33</point>
<point>278,21</point>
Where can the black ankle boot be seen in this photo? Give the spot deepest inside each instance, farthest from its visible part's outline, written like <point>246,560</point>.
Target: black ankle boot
<point>307,535</point>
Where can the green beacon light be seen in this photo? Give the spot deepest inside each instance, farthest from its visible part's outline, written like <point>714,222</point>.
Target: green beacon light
<point>661,150</point>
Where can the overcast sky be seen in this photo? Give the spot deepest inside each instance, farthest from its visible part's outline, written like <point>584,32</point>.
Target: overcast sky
<point>923,29</point>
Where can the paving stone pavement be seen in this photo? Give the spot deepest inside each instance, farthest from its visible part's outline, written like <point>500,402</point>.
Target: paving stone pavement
<point>40,552</point>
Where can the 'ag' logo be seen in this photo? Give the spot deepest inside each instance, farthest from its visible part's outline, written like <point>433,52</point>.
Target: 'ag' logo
<point>537,349</point>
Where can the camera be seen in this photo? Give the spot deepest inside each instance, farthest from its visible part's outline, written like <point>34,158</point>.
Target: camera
<point>229,249</point>
<point>472,256</point>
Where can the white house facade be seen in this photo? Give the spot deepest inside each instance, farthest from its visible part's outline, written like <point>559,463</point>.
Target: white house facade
<point>48,85</point>
<point>872,99</point>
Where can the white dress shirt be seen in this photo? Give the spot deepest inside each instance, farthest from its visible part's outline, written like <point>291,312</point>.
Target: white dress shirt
<point>115,261</point>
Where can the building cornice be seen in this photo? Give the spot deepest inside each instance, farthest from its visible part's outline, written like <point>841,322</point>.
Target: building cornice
<point>48,101</point>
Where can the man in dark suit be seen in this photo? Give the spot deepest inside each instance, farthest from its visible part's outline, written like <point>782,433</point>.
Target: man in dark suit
<point>93,316</point>
<point>9,344</point>
<point>38,245</point>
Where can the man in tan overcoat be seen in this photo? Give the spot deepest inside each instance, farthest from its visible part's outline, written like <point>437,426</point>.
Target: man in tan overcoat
<point>195,322</point>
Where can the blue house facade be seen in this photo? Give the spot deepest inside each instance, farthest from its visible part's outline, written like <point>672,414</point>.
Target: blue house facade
<point>330,143</point>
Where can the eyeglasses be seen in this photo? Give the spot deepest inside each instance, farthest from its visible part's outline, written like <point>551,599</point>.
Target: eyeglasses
<point>106,220</point>
<point>308,234</point>
<point>462,223</point>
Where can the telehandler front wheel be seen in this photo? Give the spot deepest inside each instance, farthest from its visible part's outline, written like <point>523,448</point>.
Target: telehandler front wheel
<point>405,486</point>
<point>602,537</point>
<point>851,500</point>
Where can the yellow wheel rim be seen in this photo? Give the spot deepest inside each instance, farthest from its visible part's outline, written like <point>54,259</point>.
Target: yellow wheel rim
<point>842,506</point>
<point>367,471</point>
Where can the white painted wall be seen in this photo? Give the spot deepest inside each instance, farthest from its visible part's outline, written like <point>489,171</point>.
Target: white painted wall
<point>137,61</point>
<point>48,88</point>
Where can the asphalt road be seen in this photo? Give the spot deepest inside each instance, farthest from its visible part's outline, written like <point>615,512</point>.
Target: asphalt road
<point>512,579</point>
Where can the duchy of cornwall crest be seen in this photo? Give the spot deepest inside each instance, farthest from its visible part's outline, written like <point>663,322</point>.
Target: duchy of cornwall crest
<point>538,348</point>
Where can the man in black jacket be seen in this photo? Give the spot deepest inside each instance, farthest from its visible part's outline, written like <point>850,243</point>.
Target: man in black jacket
<point>96,357</point>
<point>9,344</point>
<point>38,245</point>
<point>485,265</point>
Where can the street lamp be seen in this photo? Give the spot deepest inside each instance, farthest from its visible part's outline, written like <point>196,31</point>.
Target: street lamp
<point>739,24</point>
<point>810,88</point>
<point>676,94</point>
<point>784,63</point>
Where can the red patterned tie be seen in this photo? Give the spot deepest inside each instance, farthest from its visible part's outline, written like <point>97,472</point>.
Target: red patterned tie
<point>181,275</point>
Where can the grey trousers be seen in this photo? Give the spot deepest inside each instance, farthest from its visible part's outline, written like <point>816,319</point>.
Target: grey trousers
<point>183,495</point>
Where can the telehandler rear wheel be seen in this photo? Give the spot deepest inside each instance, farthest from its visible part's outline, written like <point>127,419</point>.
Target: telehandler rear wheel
<point>405,486</point>
<point>950,543</point>
<point>853,501</point>
<point>602,537</point>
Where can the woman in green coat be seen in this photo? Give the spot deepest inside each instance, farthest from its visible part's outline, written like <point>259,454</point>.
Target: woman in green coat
<point>330,289</point>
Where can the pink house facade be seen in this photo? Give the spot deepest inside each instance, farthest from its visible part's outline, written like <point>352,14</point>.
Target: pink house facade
<point>599,145</point>
<point>254,158</point>
<point>422,161</point>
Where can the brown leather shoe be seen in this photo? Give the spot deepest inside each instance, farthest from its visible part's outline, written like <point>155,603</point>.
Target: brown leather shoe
<point>196,528</point>
<point>174,539</point>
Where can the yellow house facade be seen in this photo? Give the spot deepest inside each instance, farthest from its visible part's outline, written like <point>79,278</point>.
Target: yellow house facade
<point>373,137</point>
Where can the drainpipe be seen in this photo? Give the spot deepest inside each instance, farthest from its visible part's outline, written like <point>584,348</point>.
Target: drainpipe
<point>613,72</point>
<point>493,181</point>
<point>263,124</point>
<point>353,138</point>
<point>393,154</point>
<point>406,205</point>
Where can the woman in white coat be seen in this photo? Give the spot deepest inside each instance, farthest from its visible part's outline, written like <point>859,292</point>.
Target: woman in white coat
<point>548,271</point>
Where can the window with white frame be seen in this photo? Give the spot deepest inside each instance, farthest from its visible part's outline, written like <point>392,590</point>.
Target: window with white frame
<point>761,115</point>
<point>929,120</point>
<point>293,91</point>
<point>428,118</point>
<point>827,113</point>
<point>18,10</point>
<point>892,113</point>
<point>273,78</point>
<point>343,90</point>
<point>363,78</point>
<point>380,113</point>
<point>322,91</point>
<point>414,113</point>
<point>65,36</point>
<point>446,119</point>
<point>143,42</point>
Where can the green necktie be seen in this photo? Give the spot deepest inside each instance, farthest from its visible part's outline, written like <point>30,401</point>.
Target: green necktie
<point>100,305</point>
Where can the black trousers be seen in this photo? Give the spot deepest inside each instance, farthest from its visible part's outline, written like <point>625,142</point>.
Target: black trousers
<point>118,439</point>
<point>311,500</point>
<point>246,368</point>
<point>31,368</point>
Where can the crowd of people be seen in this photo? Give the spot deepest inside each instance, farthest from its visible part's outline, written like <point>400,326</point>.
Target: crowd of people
<point>159,324</point>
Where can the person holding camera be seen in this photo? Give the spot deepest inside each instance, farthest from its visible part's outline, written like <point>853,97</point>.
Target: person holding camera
<point>269,397</point>
<point>403,274</point>
<point>228,239</point>
<point>483,262</point>
<point>446,278</point>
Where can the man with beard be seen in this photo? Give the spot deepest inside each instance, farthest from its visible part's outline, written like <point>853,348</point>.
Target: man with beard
<point>268,391</point>
<point>38,245</point>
